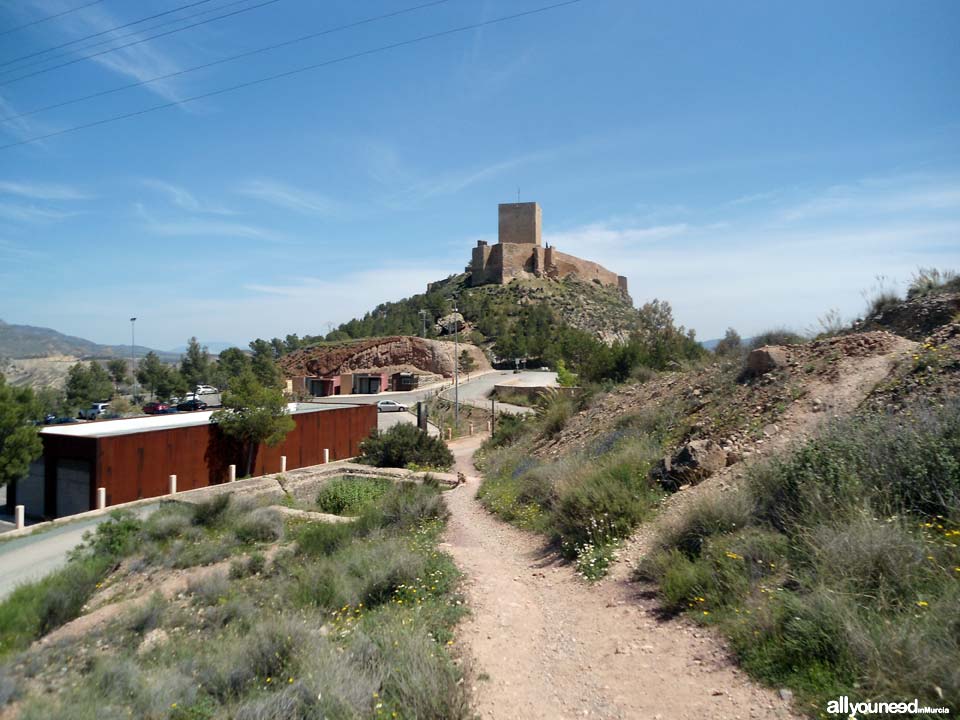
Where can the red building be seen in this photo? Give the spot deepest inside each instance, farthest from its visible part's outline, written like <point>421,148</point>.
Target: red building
<point>133,458</point>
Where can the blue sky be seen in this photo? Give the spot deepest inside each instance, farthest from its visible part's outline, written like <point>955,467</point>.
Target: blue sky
<point>754,163</point>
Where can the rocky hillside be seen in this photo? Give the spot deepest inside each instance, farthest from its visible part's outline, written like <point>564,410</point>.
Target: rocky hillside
<point>490,310</point>
<point>391,354</point>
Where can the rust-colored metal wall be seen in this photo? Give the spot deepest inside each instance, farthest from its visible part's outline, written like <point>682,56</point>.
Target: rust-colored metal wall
<point>138,465</point>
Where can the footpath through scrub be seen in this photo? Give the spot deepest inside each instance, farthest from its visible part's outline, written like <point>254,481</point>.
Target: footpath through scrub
<point>545,644</point>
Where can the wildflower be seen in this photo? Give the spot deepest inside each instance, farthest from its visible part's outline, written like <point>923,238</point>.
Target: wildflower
<point>922,603</point>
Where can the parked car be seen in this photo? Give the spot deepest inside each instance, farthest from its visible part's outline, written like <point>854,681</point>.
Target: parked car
<point>155,408</point>
<point>205,390</point>
<point>94,411</point>
<point>191,405</point>
<point>63,421</point>
<point>390,406</point>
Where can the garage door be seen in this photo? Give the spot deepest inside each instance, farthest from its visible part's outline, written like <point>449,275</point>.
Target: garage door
<point>30,490</point>
<point>73,487</point>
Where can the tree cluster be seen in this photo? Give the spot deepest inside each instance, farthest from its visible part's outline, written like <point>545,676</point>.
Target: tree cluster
<point>19,441</point>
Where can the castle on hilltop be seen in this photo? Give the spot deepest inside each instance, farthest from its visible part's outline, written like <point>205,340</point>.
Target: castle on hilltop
<point>520,254</point>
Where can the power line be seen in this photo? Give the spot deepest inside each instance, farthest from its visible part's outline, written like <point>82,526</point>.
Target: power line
<point>249,53</point>
<point>137,42</point>
<point>68,53</point>
<point>104,32</point>
<point>49,17</point>
<point>295,71</point>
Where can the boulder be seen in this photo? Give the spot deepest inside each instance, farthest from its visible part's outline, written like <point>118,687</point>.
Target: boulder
<point>767,358</point>
<point>693,463</point>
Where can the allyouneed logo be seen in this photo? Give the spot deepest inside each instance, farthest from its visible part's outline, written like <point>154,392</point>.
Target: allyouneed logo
<point>843,706</point>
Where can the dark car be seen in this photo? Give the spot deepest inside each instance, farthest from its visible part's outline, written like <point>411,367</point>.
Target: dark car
<point>191,405</point>
<point>155,408</point>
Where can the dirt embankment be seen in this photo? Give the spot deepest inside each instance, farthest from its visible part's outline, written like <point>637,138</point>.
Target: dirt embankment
<point>390,354</point>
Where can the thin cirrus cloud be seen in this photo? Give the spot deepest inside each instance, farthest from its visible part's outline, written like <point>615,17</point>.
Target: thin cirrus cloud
<point>184,199</point>
<point>288,197</point>
<point>880,196</point>
<point>139,62</point>
<point>41,191</point>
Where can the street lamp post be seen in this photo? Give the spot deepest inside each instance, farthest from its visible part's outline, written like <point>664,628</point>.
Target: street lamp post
<point>423,318</point>
<point>133,355</point>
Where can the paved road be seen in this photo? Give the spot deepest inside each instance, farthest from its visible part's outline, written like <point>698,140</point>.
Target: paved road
<point>473,391</point>
<point>31,557</point>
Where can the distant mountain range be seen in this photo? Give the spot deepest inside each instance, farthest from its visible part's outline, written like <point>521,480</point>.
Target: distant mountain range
<point>27,341</point>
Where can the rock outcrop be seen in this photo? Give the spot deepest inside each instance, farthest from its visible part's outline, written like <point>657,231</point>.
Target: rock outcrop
<point>385,354</point>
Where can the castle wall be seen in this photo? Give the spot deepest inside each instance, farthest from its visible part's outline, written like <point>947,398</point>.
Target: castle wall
<point>564,265</point>
<point>520,223</point>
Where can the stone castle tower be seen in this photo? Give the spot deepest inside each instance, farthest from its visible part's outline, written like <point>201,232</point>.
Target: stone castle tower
<point>520,254</point>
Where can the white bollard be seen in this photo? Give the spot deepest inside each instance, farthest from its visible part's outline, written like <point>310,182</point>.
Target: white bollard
<point>233,473</point>
<point>101,498</point>
<point>283,463</point>
<point>173,484</point>
<point>449,433</point>
<point>326,456</point>
<point>18,514</point>
<point>489,429</point>
<point>471,428</point>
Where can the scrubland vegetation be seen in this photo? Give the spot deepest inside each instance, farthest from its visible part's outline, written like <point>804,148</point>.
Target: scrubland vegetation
<point>586,502</point>
<point>405,445</point>
<point>836,569</point>
<point>303,619</point>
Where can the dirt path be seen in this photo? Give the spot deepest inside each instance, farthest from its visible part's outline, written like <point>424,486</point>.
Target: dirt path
<point>545,644</point>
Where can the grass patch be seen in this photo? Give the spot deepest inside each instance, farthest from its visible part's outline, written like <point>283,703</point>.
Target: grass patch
<point>351,620</point>
<point>836,571</point>
<point>350,495</point>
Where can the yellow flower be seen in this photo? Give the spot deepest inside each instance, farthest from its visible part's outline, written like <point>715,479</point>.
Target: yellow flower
<point>922,603</point>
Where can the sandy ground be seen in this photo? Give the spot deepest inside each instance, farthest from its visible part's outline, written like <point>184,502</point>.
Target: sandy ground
<point>545,644</point>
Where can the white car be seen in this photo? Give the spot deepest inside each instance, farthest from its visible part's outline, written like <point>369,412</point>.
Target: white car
<point>206,390</point>
<point>94,411</point>
<point>390,406</point>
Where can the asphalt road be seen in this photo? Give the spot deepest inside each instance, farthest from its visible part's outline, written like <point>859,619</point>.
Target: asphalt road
<point>473,391</point>
<point>31,557</point>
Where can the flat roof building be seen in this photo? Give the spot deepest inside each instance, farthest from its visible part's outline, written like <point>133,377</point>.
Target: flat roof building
<point>132,458</point>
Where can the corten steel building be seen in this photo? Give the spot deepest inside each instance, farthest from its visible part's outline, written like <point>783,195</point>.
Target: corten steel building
<point>133,458</point>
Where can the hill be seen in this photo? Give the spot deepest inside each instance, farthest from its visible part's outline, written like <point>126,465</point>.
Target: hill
<point>490,311</point>
<point>28,341</point>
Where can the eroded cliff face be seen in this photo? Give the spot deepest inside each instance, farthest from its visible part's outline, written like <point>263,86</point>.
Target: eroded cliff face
<point>389,353</point>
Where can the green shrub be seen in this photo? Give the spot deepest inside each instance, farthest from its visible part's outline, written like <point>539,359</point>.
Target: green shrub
<point>170,521</point>
<point>261,525</point>
<point>554,413</point>
<point>213,512</point>
<point>349,495</point>
<point>507,430</point>
<point>320,539</point>
<point>927,281</point>
<point>405,506</point>
<point>777,336</point>
<point>237,662</point>
<point>834,571</point>
<point>402,445</point>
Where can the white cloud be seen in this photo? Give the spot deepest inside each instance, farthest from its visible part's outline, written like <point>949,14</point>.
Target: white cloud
<point>897,194</point>
<point>184,199</point>
<point>41,191</point>
<point>213,228</point>
<point>290,198</point>
<point>32,213</point>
